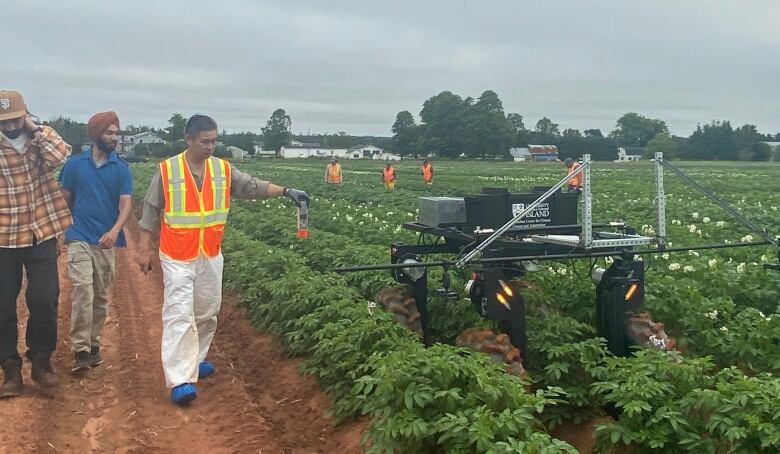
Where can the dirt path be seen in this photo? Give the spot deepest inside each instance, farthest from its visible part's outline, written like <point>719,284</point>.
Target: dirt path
<point>257,402</point>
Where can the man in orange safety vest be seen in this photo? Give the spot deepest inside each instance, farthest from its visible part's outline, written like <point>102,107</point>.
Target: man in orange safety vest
<point>188,201</point>
<point>427,172</point>
<point>333,172</point>
<point>575,183</point>
<point>388,176</point>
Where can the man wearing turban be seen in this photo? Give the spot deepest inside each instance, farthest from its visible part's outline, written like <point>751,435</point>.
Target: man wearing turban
<point>98,186</point>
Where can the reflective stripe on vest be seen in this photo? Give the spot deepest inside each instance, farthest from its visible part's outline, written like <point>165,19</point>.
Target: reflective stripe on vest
<point>193,219</point>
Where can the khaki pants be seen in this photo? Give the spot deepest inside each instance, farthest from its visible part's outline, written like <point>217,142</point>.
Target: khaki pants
<point>91,272</point>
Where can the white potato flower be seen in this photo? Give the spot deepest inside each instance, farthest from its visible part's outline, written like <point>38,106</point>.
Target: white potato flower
<point>674,266</point>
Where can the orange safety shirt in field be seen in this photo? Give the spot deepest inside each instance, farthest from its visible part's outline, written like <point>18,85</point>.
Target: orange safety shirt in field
<point>193,220</point>
<point>388,174</point>
<point>334,173</point>
<point>575,180</point>
<point>427,171</point>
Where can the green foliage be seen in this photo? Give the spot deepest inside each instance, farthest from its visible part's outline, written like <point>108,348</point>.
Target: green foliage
<point>177,124</point>
<point>444,399</point>
<point>277,131</point>
<point>634,130</point>
<point>406,134</point>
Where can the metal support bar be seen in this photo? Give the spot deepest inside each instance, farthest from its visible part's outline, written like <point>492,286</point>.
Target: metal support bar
<point>480,247</point>
<point>731,210</point>
<point>584,255</point>
<point>587,206</point>
<point>660,227</point>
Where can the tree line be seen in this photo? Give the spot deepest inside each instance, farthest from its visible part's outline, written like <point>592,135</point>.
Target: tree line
<point>275,134</point>
<point>451,126</point>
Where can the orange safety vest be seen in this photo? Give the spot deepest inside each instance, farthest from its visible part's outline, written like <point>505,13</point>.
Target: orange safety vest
<point>334,173</point>
<point>388,174</point>
<point>427,172</point>
<point>193,220</point>
<point>575,180</point>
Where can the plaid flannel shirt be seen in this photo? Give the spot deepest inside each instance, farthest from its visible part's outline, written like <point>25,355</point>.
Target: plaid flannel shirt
<point>31,204</point>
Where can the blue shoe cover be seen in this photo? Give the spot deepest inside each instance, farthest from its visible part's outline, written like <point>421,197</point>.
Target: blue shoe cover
<point>206,368</point>
<point>184,394</point>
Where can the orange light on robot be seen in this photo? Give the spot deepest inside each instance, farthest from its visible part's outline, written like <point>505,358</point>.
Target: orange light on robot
<point>502,300</point>
<point>630,292</point>
<point>507,289</point>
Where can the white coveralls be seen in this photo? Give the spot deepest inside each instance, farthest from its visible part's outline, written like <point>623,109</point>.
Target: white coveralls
<point>193,289</point>
<point>193,296</point>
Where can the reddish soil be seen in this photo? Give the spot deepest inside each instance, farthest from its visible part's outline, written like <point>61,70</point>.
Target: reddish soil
<point>581,436</point>
<point>256,402</point>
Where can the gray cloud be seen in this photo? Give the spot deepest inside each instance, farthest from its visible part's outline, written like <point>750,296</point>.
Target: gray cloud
<point>352,65</point>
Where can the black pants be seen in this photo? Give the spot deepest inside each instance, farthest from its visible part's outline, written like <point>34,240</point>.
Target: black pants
<point>42,296</point>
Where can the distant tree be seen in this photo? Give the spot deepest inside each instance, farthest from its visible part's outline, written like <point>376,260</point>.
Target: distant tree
<point>593,133</point>
<point>670,146</point>
<point>745,135</point>
<point>714,141</point>
<point>243,140</point>
<point>276,133</point>
<point>492,133</point>
<point>634,130</point>
<point>142,149</point>
<point>518,126</point>
<point>756,151</point>
<point>445,124</point>
<point>72,132</point>
<point>572,133</point>
<point>546,128</point>
<point>177,124</point>
<point>516,121</point>
<point>405,134</point>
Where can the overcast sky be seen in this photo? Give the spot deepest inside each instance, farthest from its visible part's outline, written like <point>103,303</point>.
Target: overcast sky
<point>353,65</point>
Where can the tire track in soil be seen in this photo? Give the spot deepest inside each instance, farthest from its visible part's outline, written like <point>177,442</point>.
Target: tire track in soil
<point>257,401</point>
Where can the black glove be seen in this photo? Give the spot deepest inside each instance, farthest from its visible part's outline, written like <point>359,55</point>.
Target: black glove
<point>297,196</point>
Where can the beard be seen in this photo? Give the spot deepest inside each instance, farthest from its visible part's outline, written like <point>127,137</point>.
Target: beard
<point>13,134</point>
<point>105,147</point>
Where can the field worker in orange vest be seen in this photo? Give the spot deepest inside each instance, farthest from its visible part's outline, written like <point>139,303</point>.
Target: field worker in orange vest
<point>427,172</point>
<point>188,200</point>
<point>333,172</point>
<point>388,176</point>
<point>575,183</point>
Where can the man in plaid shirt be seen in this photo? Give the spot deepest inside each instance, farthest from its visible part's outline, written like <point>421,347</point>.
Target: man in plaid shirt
<point>32,213</point>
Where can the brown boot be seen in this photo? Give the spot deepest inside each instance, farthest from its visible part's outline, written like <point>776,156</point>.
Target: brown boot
<point>12,382</point>
<point>42,373</point>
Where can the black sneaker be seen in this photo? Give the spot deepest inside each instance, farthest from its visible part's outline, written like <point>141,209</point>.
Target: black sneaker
<point>81,362</point>
<point>94,357</point>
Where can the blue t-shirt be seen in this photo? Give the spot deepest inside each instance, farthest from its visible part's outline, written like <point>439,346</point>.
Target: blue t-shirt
<point>96,190</point>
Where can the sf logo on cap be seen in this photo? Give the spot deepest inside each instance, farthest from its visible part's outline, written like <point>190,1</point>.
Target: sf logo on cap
<point>5,103</point>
